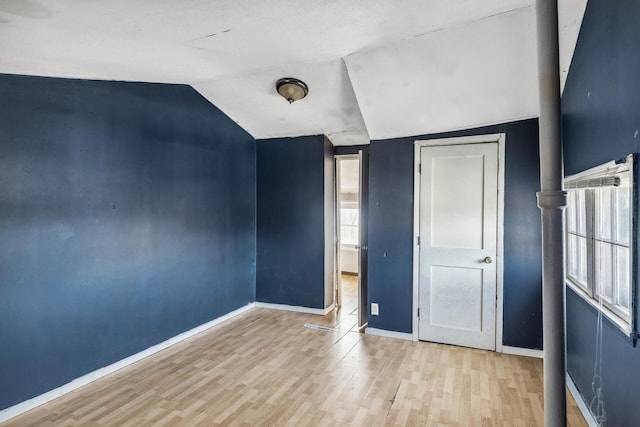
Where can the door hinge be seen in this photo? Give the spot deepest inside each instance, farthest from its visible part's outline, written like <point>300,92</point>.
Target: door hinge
<point>418,311</point>
<point>419,167</point>
<point>418,240</point>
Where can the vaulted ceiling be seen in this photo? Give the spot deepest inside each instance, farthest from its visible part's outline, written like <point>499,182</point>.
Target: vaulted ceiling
<point>375,68</point>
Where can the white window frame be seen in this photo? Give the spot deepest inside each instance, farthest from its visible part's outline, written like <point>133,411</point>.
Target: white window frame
<point>354,206</point>
<point>600,176</point>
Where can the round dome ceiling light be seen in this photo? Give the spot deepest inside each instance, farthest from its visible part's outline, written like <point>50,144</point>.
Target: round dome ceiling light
<point>292,89</point>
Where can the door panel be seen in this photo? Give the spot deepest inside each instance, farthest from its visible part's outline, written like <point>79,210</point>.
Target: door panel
<point>458,233</point>
<point>459,218</point>
<point>453,295</point>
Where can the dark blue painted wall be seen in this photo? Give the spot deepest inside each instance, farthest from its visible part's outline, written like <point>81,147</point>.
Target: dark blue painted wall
<point>127,216</point>
<point>391,232</point>
<point>620,363</point>
<point>290,217</point>
<point>600,104</point>
<point>350,149</point>
<point>390,282</point>
<point>601,122</point>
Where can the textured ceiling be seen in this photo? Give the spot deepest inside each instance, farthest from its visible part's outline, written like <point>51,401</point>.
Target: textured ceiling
<point>468,75</point>
<point>375,68</point>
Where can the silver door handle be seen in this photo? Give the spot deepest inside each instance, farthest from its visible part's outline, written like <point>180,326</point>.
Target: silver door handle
<point>488,260</point>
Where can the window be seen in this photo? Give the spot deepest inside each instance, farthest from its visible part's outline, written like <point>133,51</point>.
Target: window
<point>599,241</point>
<point>349,226</point>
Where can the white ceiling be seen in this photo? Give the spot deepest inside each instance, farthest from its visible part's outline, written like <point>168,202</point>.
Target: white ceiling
<point>375,68</point>
<point>467,75</point>
<point>570,14</point>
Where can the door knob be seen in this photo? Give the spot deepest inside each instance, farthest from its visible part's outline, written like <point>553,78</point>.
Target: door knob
<point>488,260</point>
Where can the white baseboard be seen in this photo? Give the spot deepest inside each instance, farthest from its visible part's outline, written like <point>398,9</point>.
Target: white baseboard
<point>582,405</point>
<point>27,405</point>
<point>389,334</point>
<point>519,351</point>
<point>296,308</point>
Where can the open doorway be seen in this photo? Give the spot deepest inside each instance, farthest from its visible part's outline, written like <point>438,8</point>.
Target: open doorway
<point>351,245</point>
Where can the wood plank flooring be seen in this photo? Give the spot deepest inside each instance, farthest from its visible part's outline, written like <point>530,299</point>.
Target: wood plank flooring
<point>349,306</point>
<point>263,368</point>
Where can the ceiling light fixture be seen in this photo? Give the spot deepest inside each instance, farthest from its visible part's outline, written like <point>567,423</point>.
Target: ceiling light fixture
<point>292,89</point>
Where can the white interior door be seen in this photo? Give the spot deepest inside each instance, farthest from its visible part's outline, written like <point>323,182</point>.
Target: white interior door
<point>458,217</point>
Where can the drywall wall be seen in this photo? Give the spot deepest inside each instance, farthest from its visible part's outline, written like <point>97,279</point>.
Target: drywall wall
<point>349,259</point>
<point>291,221</point>
<point>391,232</point>
<point>127,216</point>
<point>601,122</point>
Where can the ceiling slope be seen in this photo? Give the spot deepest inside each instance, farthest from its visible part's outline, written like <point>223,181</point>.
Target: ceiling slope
<point>464,76</point>
<point>330,108</point>
<point>570,15</point>
<point>233,51</point>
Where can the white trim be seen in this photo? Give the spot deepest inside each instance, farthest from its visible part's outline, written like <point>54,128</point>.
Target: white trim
<point>582,405</point>
<point>416,247</point>
<point>296,308</point>
<point>27,405</point>
<point>521,351</point>
<point>389,334</point>
<point>460,140</point>
<point>346,156</point>
<point>500,243</point>
<point>337,283</point>
<point>500,138</point>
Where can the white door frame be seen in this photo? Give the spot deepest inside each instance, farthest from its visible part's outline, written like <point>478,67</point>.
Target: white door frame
<point>337,249</point>
<point>476,139</point>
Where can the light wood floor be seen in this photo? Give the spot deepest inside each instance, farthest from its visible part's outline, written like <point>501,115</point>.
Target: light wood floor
<point>349,307</point>
<point>264,368</point>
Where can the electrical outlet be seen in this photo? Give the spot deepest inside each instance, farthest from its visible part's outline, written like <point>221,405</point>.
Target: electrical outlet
<point>374,309</point>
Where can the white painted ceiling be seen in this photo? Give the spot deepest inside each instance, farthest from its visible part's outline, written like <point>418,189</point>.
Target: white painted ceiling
<point>570,14</point>
<point>375,68</point>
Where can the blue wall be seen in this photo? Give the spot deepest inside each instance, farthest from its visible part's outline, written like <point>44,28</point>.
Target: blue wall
<point>600,104</point>
<point>127,216</point>
<point>350,149</point>
<point>391,232</point>
<point>601,122</point>
<point>291,221</point>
